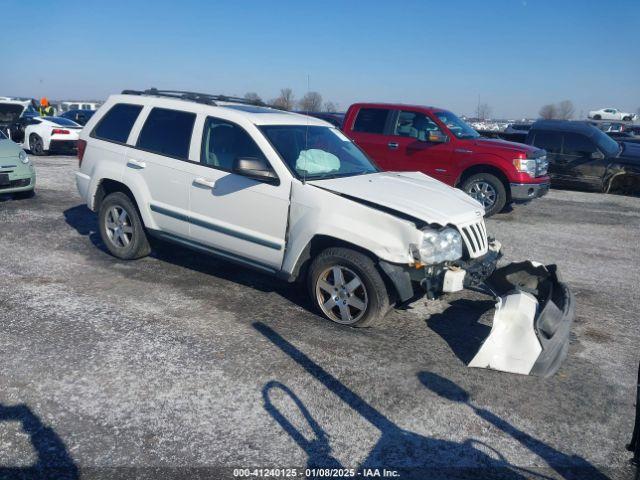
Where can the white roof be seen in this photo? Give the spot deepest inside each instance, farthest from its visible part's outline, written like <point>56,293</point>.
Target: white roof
<point>254,114</point>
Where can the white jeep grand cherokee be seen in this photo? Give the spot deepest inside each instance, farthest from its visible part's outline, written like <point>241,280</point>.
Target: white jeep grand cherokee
<point>291,195</point>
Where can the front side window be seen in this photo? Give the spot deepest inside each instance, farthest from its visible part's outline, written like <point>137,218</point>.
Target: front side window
<point>223,142</point>
<point>415,125</point>
<point>577,145</point>
<point>116,124</point>
<point>457,126</point>
<point>550,141</point>
<point>167,132</point>
<point>314,152</point>
<point>371,120</point>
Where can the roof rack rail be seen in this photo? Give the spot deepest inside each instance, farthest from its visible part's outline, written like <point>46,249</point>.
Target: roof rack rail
<point>193,96</point>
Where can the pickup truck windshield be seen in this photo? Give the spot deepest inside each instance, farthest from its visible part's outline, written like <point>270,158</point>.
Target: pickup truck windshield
<point>459,128</point>
<point>608,145</point>
<point>314,152</point>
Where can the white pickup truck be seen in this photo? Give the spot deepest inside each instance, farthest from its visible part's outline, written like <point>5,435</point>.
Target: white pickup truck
<point>291,195</point>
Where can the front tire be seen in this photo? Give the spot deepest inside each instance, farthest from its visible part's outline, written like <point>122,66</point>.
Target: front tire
<point>346,287</point>
<point>597,117</point>
<point>488,190</point>
<point>121,228</point>
<point>36,145</point>
<point>24,195</point>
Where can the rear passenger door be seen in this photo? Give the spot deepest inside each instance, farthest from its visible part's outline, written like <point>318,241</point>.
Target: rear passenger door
<point>369,132</point>
<point>236,215</point>
<point>156,164</point>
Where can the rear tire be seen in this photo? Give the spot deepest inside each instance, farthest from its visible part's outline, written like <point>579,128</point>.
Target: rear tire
<point>121,227</point>
<point>626,119</point>
<point>36,145</point>
<point>346,287</point>
<point>488,190</point>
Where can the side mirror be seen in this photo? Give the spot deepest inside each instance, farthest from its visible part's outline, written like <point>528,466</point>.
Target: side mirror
<point>437,137</point>
<point>256,169</point>
<point>597,155</point>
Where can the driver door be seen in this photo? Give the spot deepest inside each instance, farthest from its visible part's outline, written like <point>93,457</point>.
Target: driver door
<point>234,214</point>
<point>418,144</point>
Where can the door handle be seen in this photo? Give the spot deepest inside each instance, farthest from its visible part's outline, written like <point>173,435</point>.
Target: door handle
<point>136,163</point>
<point>204,182</point>
<point>392,145</point>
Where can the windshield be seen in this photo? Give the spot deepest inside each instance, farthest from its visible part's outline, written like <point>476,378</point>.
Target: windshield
<point>458,127</point>
<point>605,143</point>
<point>313,152</point>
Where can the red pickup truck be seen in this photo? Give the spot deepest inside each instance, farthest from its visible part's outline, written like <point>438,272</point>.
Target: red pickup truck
<point>436,142</point>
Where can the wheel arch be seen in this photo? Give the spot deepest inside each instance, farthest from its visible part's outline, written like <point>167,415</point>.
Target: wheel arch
<point>486,168</point>
<point>107,186</point>
<point>320,242</point>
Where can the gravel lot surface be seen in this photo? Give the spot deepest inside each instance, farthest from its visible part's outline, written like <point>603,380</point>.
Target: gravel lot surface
<point>178,360</point>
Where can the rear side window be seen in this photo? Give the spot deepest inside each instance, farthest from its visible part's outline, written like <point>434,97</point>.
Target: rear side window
<point>371,120</point>
<point>577,145</point>
<point>116,125</point>
<point>550,141</point>
<point>167,132</point>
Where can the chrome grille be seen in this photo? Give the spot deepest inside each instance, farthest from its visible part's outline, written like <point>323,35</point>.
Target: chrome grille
<point>474,235</point>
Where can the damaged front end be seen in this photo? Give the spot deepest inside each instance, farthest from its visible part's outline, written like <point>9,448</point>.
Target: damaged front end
<point>533,314</point>
<point>532,322</point>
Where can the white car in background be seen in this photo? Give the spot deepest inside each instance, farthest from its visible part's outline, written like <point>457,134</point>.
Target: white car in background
<point>611,114</point>
<point>50,134</point>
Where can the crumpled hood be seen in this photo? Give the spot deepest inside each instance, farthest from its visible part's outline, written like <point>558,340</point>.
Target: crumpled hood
<point>412,193</point>
<point>630,152</point>
<point>9,149</point>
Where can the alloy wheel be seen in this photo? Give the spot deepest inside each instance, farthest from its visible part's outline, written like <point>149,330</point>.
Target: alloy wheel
<point>484,193</point>
<point>118,227</point>
<point>341,295</point>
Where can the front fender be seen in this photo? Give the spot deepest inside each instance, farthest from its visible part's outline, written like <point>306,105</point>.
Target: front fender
<point>315,211</point>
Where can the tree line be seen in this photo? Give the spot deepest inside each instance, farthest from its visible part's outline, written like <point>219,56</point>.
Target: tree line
<point>310,102</point>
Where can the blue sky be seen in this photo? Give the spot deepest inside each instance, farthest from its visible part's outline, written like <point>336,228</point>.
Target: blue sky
<point>515,54</point>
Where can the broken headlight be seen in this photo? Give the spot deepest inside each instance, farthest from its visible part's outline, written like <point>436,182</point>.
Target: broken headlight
<point>438,246</point>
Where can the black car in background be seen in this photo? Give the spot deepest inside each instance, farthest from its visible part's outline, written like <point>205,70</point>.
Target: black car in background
<point>333,118</point>
<point>78,116</point>
<point>584,157</point>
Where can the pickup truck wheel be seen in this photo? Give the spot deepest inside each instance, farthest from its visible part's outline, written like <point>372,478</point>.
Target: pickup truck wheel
<point>347,288</point>
<point>488,190</point>
<point>121,228</point>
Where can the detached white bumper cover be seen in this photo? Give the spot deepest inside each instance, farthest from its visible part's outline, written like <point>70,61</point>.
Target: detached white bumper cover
<point>532,323</point>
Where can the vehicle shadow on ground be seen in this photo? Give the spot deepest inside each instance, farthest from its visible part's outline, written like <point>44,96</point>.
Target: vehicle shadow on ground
<point>459,326</point>
<point>414,456</point>
<point>567,466</point>
<point>53,459</point>
<point>85,222</point>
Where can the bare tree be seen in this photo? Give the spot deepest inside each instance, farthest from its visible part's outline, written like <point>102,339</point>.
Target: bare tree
<point>483,111</point>
<point>311,102</point>
<point>548,112</point>
<point>285,101</point>
<point>330,107</point>
<point>566,110</point>
<point>253,97</point>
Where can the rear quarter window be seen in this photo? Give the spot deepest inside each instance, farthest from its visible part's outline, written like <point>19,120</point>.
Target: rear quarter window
<point>371,120</point>
<point>116,124</point>
<point>167,132</point>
